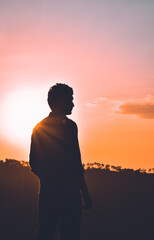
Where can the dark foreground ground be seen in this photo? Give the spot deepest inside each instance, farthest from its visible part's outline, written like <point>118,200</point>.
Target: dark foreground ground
<point>123,204</point>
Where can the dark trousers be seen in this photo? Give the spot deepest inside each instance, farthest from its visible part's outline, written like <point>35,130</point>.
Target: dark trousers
<point>62,209</point>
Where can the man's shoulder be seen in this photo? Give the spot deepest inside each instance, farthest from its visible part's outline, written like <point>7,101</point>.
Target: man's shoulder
<point>48,122</point>
<point>72,123</point>
<point>41,124</point>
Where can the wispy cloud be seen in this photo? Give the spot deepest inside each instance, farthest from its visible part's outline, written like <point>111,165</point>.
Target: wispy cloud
<point>90,104</point>
<point>143,108</point>
<point>96,101</point>
<point>104,105</point>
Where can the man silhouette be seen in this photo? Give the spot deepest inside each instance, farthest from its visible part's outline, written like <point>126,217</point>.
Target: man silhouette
<point>55,159</point>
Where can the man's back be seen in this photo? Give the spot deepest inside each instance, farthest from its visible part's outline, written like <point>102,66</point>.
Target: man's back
<point>55,154</point>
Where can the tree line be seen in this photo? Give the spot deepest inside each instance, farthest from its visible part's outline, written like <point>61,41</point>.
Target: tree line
<point>123,202</point>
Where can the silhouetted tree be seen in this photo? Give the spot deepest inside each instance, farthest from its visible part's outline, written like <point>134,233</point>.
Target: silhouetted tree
<point>107,167</point>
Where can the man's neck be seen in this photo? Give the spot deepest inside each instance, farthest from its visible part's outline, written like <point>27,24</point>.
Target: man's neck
<point>57,114</point>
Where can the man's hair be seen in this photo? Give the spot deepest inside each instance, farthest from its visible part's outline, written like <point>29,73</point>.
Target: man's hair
<point>58,91</point>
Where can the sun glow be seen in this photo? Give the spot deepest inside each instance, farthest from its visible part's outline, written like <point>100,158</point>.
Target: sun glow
<point>22,110</point>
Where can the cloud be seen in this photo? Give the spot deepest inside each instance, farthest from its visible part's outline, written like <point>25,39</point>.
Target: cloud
<point>96,101</point>
<point>105,108</point>
<point>90,104</point>
<point>142,108</point>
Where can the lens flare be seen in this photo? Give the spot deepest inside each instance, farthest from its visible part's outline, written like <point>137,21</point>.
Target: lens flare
<point>22,110</point>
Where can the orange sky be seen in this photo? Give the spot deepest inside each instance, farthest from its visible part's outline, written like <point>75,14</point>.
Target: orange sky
<point>104,51</point>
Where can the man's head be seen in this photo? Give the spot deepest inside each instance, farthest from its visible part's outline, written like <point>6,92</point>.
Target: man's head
<point>60,99</point>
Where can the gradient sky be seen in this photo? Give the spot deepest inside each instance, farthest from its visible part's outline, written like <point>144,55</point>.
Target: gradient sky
<point>103,49</point>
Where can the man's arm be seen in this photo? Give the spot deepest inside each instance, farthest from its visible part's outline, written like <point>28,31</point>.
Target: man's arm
<point>34,155</point>
<point>82,182</point>
<point>85,193</point>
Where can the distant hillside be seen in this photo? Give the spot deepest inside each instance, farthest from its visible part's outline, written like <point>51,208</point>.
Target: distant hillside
<point>123,202</point>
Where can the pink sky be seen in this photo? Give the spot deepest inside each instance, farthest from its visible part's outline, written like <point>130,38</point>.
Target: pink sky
<point>104,50</point>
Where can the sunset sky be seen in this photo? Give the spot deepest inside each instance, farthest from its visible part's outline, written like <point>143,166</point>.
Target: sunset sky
<point>104,49</point>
